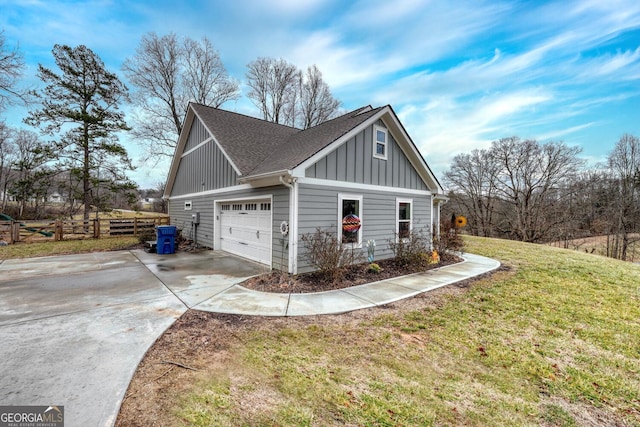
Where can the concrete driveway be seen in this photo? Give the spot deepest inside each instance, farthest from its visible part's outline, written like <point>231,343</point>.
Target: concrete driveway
<point>74,328</point>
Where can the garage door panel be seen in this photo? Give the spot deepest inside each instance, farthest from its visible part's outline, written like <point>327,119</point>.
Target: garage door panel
<point>245,230</point>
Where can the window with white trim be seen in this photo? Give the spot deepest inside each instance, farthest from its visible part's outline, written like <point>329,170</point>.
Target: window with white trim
<point>404,216</point>
<point>380,137</point>
<point>350,219</point>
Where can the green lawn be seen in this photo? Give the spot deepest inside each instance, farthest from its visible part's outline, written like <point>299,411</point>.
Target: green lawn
<point>553,341</point>
<point>29,250</point>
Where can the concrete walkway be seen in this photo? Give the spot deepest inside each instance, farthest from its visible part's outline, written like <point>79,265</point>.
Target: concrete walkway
<point>236,299</point>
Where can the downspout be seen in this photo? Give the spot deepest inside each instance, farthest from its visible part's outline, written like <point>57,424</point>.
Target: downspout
<point>292,184</point>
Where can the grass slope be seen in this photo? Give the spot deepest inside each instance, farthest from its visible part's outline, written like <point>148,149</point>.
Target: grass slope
<point>552,340</point>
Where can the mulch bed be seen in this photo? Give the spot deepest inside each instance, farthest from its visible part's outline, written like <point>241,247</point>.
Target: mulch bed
<point>279,282</point>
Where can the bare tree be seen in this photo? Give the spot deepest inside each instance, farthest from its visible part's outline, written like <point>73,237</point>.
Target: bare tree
<point>284,95</point>
<point>274,85</point>
<point>317,103</point>
<point>517,189</point>
<point>11,68</point>
<point>31,180</point>
<point>168,72</point>
<point>205,78</point>
<point>624,165</point>
<point>7,158</point>
<point>473,177</point>
<point>532,180</point>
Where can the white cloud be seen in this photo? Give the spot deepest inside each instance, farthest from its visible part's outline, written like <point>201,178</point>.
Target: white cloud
<point>562,132</point>
<point>444,127</point>
<point>606,65</point>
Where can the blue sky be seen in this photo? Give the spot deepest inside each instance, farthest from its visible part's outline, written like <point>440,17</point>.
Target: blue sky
<point>460,74</point>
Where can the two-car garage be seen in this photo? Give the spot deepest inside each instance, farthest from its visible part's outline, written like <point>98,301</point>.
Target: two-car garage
<point>245,228</point>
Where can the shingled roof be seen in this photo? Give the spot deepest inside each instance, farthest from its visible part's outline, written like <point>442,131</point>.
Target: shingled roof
<point>259,147</point>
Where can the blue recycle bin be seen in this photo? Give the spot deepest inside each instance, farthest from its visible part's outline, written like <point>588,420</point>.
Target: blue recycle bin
<point>166,239</point>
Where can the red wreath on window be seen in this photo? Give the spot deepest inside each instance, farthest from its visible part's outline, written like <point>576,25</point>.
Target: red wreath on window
<point>351,223</point>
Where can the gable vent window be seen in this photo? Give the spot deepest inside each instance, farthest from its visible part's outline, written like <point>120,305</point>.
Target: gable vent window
<point>265,206</point>
<point>237,207</point>
<point>251,207</point>
<point>380,142</point>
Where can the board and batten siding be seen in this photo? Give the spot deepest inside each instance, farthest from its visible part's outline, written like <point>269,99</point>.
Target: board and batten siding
<point>353,161</point>
<point>318,207</point>
<point>197,134</point>
<point>204,204</point>
<point>205,168</point>
<point>181,218</point>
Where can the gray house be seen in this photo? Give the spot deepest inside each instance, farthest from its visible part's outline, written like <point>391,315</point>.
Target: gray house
<point>253,188</point>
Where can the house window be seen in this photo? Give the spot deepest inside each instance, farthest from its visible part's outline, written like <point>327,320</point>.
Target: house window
<point>350,219</point>
<point>236,206</point>
<point>265,206</point>
<point>404,215</point>
<point>250,207</point>
<point>225,207</point>
<point>187,206</point>
<point>380,142</point>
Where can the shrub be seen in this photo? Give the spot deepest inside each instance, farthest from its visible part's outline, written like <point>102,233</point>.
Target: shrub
<point>330,256</point>
<point>146,236</point>
<point>449,239</point>
<point>409,251</point>
<point>374,268</point>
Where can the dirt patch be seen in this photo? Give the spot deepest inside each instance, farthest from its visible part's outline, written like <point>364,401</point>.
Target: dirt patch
<point>200,345</point>
<point>279,282</point>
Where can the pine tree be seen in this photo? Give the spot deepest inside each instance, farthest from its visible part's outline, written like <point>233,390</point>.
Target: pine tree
<point>81,107</point>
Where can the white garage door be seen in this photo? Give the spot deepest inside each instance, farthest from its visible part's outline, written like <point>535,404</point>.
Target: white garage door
<point>245,229</point>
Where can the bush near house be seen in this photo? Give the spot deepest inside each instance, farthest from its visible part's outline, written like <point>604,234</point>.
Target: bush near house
<point>329,255</point>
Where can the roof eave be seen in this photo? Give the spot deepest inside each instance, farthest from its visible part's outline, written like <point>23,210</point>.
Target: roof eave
<point>182,140</point>
<point>266,179</point>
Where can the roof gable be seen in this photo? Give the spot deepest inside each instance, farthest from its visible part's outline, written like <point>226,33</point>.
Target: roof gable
<point>257,147</point>
<point>400,135</point>
<point>247,141</point>
<point>305,143</point>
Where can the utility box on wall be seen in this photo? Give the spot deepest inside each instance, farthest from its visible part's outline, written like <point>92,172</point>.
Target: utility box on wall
<point>195,218</point>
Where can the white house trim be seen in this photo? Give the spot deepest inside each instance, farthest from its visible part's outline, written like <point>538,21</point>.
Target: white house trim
<point>210,192</point>
<point>358,186</point>
<point>293,229</point>
<point>206,141</point>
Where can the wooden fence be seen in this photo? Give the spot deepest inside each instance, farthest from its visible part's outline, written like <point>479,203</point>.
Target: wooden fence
<point>64,229</point>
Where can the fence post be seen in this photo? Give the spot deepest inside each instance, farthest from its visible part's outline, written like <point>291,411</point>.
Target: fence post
<point>15,232</point>
<point>58,233</point>
<point>96,228</point>
<point>135,226</point>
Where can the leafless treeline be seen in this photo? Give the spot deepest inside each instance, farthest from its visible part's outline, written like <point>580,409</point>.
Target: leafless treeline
<point>535,192</point>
